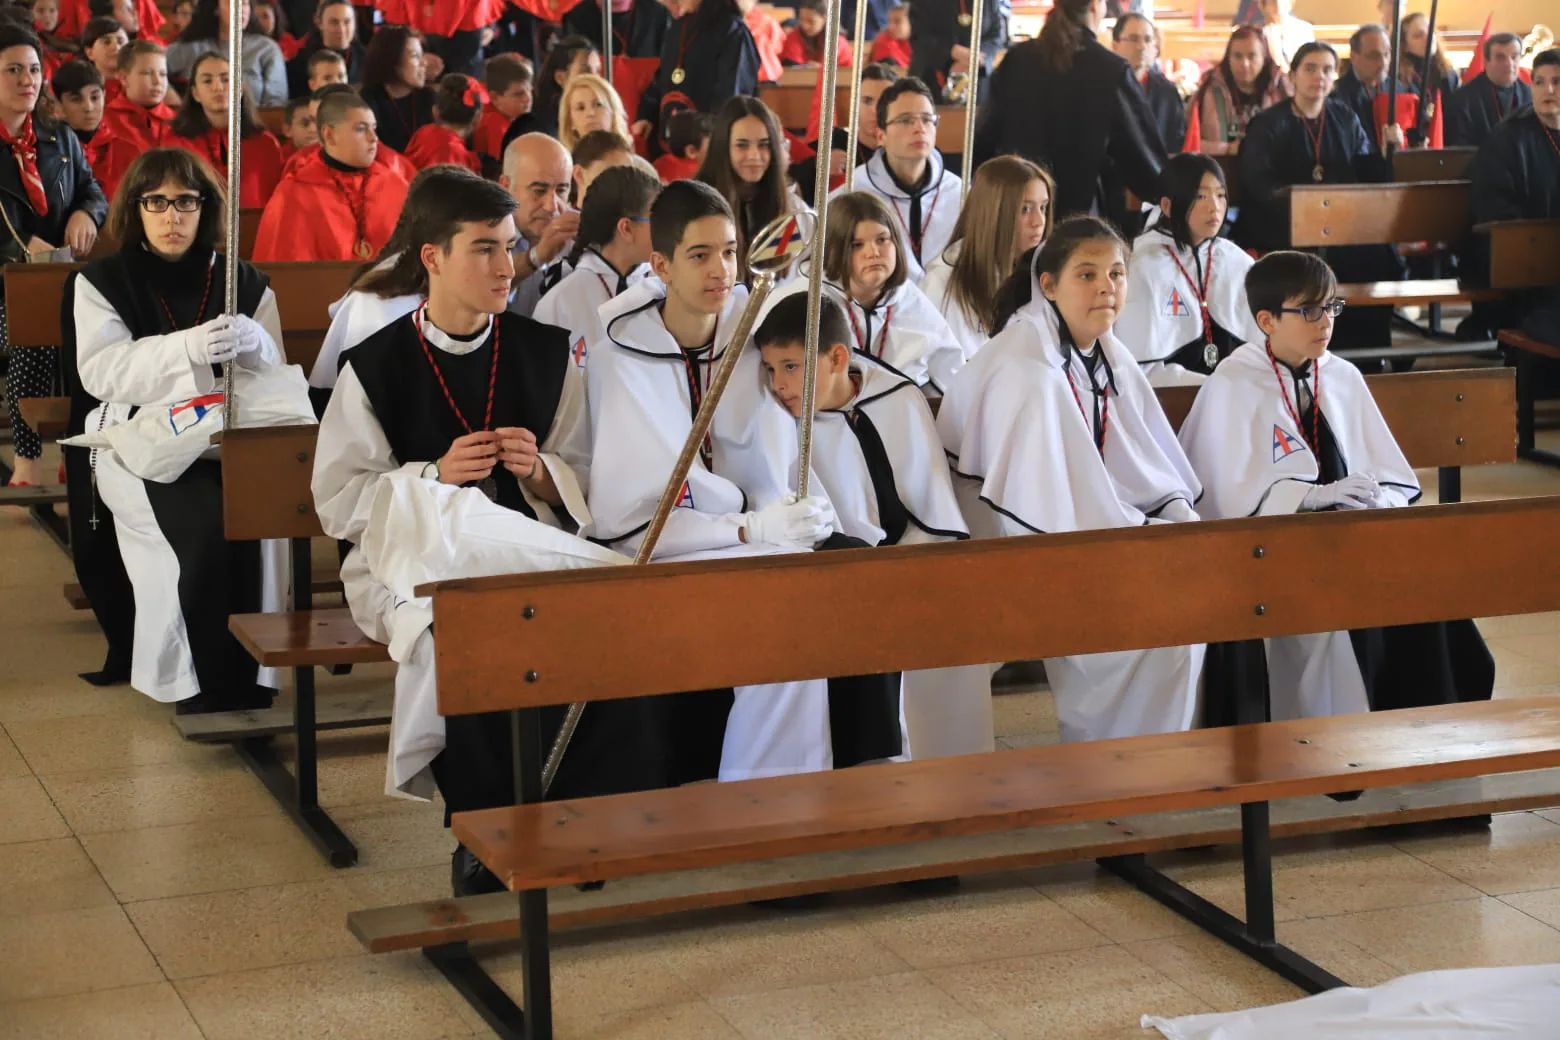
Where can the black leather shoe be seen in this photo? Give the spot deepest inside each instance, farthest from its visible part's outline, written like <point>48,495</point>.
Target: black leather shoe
<point>468,877</point>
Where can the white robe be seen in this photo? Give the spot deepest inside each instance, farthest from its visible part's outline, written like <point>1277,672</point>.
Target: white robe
<point>352,460</point>
<point>153,371</point>
<point>640,410</point>
<point>944,711</point>
<point>904,331</point>
<point>936,284</point>
<point>939,206</point>
<point>1162,314</point>
<point>574,303</point>
<point>1027,463</point>
<point>1241,440</point>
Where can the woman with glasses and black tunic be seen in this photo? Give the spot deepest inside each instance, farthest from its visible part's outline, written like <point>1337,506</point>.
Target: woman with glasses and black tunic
<point>148,334</point>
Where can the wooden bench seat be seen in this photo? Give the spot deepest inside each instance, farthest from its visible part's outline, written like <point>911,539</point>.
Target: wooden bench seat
<point>1412,293</point>
<point>705,825</point>
<point>306,639</point>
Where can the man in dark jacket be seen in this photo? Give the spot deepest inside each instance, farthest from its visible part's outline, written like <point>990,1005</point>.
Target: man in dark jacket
<point>1136,39</point>
<point>940,38</point>
<point>1370,56</point>
<point>1478,105</point>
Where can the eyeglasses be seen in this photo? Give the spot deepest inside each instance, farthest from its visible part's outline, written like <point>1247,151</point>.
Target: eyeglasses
<point>910,121</point>
<point>1134,38</point>
<point>1313,312</point>
<point>182,203</point>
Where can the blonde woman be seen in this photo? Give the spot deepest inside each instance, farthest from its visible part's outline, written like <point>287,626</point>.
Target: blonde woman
<point>589,103</point>
<point>1008,212</point>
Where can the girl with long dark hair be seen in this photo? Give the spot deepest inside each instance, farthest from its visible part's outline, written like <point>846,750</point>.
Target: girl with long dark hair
<point>746,163</point>
<point>1244,82</point>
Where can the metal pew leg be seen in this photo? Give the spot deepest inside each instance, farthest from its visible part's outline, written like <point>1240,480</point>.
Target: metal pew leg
<point>472,981</point>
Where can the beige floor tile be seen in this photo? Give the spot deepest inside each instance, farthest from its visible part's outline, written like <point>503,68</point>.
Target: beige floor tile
<point>608,974</point>
<point>886,1008</point>
<point>1317,940</point>
<point>773,950</point>
<point>59,694</point>
<point>1519,853</point>
<point>1513,668</point>
<point>159,795</point>
<point>73,745</point>
<point>1065,996</point>
<point>26,813</point>
<point>1214,972</point>
<point>223,932</point>
<point>191,858</point>
<point>1521,625</point>
<point>42,877</point>
<point>393,834</point>
<point>696,1021</point>
<point>1109,905</point>
<point>1542,646</point>
<point>1482,933</point>
<point>72,951</point>
<point>11,761</point>
<point>352,767</point>
<point>1543,905</point>
<point>1032,711</point>
<point>391,887</point>
<point>388,997</point>
<point>988,918</point>
<point>152,1012</point>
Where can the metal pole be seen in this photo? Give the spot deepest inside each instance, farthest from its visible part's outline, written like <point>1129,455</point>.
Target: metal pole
<point>771,251</point>
<point>1392,70</point>
<point>606,39</point>
<point>831,58</point>
<point>235,140</point>
<point>977,12</point>
<point>853,125</point>
<point>1427,82</point>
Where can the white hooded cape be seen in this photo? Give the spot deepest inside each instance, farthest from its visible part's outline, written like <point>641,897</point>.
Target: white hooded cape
<point>936,284</point>
<point>1026,462</point>
<point>939,205</point>
<point>640,408</point>
<point>1242,441</point>
<point>1162,315</point>
<point>574,303</point>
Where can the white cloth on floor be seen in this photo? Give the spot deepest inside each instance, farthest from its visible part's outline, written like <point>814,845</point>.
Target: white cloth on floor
<point>1470,1004</point>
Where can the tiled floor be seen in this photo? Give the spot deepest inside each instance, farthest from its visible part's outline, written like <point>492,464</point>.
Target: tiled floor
<point>150,889</point>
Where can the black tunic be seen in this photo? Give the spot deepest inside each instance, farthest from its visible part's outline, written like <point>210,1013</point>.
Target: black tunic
<point>399,118</point>
<point>638,32</point>
<point>217,577</point>
<point>718,60</point>
<point>935,28</point>
<point>298,68</point>
<point>1074,123</point>
<point>1169,111</point>
<point>1516,176</point>
<point>1477,106</point>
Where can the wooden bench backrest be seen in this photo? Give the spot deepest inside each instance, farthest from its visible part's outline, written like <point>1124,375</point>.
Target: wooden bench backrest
<point>304,292</point>
<point>733,622</point>
<point>1456,417</point>
<point>1371,214</point>
<point>1414,165</point>
<point>792,106</point>
<point>1524,254</point>
<point>265,483</point>
<point>274,120</point>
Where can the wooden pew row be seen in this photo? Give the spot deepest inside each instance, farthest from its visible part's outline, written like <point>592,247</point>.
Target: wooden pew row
<point>274,120</point>
<point>1523,256</point>
<point>1414,165</point>
<point>1237,581</point>
<point>792,106</point>
<point>1439,418</point>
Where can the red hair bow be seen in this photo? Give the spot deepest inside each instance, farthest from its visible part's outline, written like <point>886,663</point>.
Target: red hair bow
<point>476,95</point>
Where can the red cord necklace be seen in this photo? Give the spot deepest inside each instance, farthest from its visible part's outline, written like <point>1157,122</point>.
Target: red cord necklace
<point>1210,350</point>
<point>1103,398</point>
<point>487,485</point>
<point>1316,139</point>
<point>1314,441</point>
<point>200,312</point>
<point>358,206</point>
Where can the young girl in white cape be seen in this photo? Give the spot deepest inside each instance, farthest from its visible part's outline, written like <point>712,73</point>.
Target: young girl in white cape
<point>1052,428</point>
<point>1187,310</point>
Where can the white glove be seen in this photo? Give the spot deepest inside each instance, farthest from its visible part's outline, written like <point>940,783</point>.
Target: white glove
<point>1356,491</point>
<point>251,339</point>
<point>791,523</point>
<point>1176,511</point>
<point>212,343</point>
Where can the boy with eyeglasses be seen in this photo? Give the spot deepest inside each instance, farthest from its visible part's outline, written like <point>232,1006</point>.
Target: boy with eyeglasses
<point>909,174</point>
<point>1283,426</point>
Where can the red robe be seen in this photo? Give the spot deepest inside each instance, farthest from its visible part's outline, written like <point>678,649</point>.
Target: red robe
<point>386,156</point>
<point>434,144</point>
<point>676,168</point>
<point>259,173</point>
<point>127,131</point>
<point>112,88</point>
<point>887,48</point>
<point>768,37</point>
<point>798,51</point>
<point>443,17</point>
<point>74,16</point>
<point>488,139</point>
<point>316,213</point>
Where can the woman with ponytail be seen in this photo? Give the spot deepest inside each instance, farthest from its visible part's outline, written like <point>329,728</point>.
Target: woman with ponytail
<point>1066,102</point>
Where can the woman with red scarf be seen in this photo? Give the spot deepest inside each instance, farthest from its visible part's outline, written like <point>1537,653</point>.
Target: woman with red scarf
<point>49,200</point>
<point>201,127</point>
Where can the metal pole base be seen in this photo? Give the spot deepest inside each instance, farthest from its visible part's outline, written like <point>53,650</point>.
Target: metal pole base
<point>259,754</point>
<point>1222,925</point>
<point>472,981</point>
